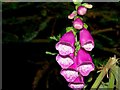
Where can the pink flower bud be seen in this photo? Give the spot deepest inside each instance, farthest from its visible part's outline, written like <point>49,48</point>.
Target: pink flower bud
<point>77,84</point>
<point>86,40</point>
<point>70,74</point>
<point>64,61</point>
<point>78,24</point>
<point>66,44</point>
<point>81,10</point>
<point>84,62</point>
<point>72,15</point>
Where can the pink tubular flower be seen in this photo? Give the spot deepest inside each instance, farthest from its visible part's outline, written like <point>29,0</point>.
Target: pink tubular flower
<point>66,44</point>
<point>72,15</point>
<point>70,74</point>
<point>81,10</point>
<point>86,40</point>
<point>78,24</point>
<point>84,62</point>
<point>64,61</point>
<point>77,84</point>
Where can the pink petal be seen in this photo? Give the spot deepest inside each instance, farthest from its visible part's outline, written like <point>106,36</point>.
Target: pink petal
<point>78,24</point>
<point>86,40</point>
<point>84,62</point>
<point>77,84</point>
<point>66,44</point>
<point>64,62</point>
<point>81,10</point>
<point>72,15</point>
<point>70,74</point>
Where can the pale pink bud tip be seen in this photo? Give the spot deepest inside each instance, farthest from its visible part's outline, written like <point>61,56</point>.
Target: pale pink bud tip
<point>72,15</point>
<point>81,10</point>
<point>78,24</point>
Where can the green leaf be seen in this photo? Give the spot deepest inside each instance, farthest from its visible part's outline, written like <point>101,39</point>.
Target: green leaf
<point>44,12</point>
<point>53,38</point>
<point>111,80</point>
<point>78,17</point>
<point>47,52</point>
<point>76,7</point>
<point>44,24</point>
<point>90,79</point>
<point>83,4</point>
<point>69,29</point>
<point>99,79</point>
<point>30,35</point>
<point>85,25</point>
<point>9,37</point>
<point>56,38</point>
<point>115,70</point>
<point>103,86</point>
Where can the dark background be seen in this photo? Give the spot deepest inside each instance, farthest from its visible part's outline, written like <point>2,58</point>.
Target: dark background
<point>26,28</point>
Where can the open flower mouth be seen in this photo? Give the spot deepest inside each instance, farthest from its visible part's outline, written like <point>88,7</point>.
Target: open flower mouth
<point>69,75</point>
<point>76,86</point>
<point>78,26</point>
<point>88,46</point>
<point>65,49</point>
<point>85,69</point>
<point>64,62</point>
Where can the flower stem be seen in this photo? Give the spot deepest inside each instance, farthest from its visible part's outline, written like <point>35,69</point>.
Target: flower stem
<point>109,64</point>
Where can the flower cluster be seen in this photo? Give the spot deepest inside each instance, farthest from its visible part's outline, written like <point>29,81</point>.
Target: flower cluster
<point>75,65</point>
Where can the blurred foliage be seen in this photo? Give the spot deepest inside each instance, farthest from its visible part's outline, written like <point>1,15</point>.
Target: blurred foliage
<point>41,22</point>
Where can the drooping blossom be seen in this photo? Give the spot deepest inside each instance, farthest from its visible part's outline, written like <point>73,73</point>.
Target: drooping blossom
<point>78,24</point>
<point>65,46</point>
<point>65,61</point>
<point>86,40</point>
<point>77,84</point>
<point>84,62</point>
<point>70,74</point>
<point>81,10</point>
<point>72,15</point>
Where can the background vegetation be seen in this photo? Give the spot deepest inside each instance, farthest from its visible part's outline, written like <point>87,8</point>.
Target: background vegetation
<point>26,31</point>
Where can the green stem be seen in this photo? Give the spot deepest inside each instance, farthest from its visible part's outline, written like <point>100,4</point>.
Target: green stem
<point>109,64</point>
<point>111,80</point>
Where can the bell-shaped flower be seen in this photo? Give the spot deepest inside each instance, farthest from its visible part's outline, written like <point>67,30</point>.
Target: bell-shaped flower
<point>72,15</point>
<point>81,10</point>
<point>65,61</point>
<point>70,74</point>
<point>66,44</point>
<point>77,84</point>
<point>86,40</point>
<point>78,24</point>
<point>84,62</point>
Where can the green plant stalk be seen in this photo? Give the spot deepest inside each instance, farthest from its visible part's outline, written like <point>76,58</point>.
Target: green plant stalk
<point>111,80</point>
<point>115,70</point>
<point>109,64</point>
